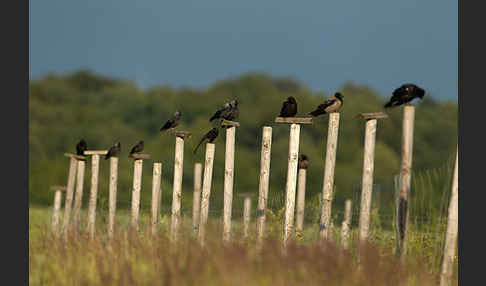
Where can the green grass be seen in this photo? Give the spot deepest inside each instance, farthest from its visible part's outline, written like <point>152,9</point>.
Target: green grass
<point>147,260</point>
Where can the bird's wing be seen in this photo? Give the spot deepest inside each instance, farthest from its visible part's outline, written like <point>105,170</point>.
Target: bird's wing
<point>166,125</point>
<point>327,103</point>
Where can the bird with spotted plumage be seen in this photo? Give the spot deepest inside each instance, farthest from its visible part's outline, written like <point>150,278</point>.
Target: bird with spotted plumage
<point>289,107</point>
<point>404,94</point>
<point>137,148</point>
<point>229,111</point>
<point>172,122</point>
<point>332,104</point>
<point>81,147</point>
<point>113,151</point>
<point>210,136</point>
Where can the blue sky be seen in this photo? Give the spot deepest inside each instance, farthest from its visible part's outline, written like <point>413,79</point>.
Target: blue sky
<point>194,43</point>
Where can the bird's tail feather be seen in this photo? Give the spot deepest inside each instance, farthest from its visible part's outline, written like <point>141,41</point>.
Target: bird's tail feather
<point>316,113</point>
<point>197,147</point>
<point>388,105</point>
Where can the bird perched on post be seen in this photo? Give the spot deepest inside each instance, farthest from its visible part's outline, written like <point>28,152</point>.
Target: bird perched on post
<point>332,104</point>
<point>113,151</point>
<point>303,162</point>
<point>137,148</point>
<point>289,108</point>
<point>229,111</point>
<point>81,147</point>
<point>210,136</point>
<point>173,122</point>
<point>405,94</point>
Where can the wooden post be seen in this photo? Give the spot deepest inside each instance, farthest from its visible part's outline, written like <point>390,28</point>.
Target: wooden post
<point>452,229</point>
<point>328,183</point>
<point>206,191</point>
<point>266,150</point>
<point>196,199</point>
<point>177,188</point>
<point>300,200</point>
<point>137,185</point>
<point>95,167</point>
<point>112,195</point>
<point>78,199</point>
<point>66,222</point>
<point>293,160</point>
<point>405,174</point>
<point>229,165</point>
<point>57,207</point>
<point>291,183</point>
<point>368,168</point>
<point>246,212</point>
<point>346,226</point>
<point>156,196</point>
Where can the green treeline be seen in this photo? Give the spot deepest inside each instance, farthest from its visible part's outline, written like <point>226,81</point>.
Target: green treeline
<point>63,109</point>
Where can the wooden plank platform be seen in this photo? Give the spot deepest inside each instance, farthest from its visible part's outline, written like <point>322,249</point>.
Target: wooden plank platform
<point>294,120</point>
<point>139,156</point>
<point>77,157</point>
<point>95,152</point>
<point>372,115</point>
<point>180,134</point>
<point>225,122</point>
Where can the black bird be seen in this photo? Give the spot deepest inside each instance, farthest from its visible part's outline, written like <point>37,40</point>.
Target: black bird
<point>405,94</point>
<point>210,136</point>
<point>173,122</point>
<point>333,104</point>
<point>81,147</point>
<point>233,113</point>
<point>289,108</point>
<point>114,150</point>
<point>137,148</point>
<point>226,108</point>
<point>303,162</point>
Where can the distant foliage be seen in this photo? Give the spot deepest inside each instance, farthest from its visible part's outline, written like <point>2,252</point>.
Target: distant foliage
<point>102,110</point>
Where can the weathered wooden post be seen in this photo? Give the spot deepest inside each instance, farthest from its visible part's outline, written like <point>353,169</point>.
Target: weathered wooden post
<point>177,185</point>
<point>368,167</point>
<point>66,222</point>
<point>229,168</point>
<point>291,173</point>
<point>112,195</point>
<point>405,175</point>
<point>452,229</point>
<point>206,191</point>
<point>156,196</point>
<point>346,226</point>
<point>196,199</point>
<point>299,225</point>
<point>78,199</point>
<point>328,182</point>
<point>246,212</point>
<point>57,207</point>
<point>137,185</point>
<point>95,167</point>
<point>266,150</point>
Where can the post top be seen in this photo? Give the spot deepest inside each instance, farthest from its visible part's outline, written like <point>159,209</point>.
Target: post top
<point>246,195</point>
<point>372,115</point>
<point>294,120</point>
<point>95,152</point>
<point>77,157</point>
<point>139,156</point>
<point>58,188</point>
<point>180,134</point>
<point>225,122</point>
